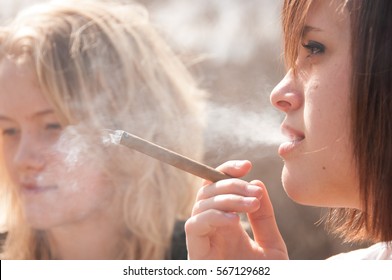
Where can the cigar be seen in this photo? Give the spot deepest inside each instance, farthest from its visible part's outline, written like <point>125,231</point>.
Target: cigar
<point>167,156</point>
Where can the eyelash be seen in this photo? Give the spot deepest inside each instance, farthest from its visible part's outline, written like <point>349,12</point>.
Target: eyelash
<point>53,126</point>
<point>10,131</point>
<point>13,131</point>
<point>314,48</point>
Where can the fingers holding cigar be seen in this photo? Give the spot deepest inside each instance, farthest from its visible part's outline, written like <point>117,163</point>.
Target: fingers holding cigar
<point>231,195</point>
<point>214,231</point>
<point>234,188</point>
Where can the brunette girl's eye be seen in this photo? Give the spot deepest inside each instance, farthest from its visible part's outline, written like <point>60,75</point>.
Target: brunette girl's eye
<point>314,48</point>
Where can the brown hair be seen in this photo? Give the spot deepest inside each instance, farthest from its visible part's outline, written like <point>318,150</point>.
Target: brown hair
<point>371,104</point>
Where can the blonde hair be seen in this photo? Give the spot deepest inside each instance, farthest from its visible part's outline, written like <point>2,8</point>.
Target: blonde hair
<point>105,66</point>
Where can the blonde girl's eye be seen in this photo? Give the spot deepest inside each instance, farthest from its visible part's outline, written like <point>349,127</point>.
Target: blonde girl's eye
<point>53,126</point>
<point>314,48</point>
<point>9,132</point>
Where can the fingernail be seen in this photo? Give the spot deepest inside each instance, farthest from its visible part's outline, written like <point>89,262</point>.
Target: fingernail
<point>238,164</point>
<point>231,215</point>
<point>249,200</point>
<point>254,190</point>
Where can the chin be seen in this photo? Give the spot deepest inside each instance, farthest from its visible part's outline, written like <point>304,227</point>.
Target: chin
<point>308,196</point>
<point>297,196</point>
<point>37,225</point>
<point>38,222</point>
<point>298,190</point>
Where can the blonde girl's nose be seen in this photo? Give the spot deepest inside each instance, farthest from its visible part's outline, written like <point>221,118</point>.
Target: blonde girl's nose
<point>29,153</point>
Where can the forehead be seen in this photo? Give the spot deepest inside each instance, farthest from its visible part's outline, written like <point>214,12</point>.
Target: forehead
<point>11,70</point>
<point>330,20</point>
<point>297,14</point>
<point>328,14</point>
<point>18,87</point>
<point>17,79</point>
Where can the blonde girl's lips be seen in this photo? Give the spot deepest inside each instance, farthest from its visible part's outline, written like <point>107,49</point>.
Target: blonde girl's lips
<point>35,189</point>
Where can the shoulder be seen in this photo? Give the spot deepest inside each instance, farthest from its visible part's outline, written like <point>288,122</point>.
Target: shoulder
<point>378,251</point>
<point>178,250</point>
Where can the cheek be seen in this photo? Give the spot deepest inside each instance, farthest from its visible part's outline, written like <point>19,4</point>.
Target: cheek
<point>90,192</point>
<point>81,188</point>
<point>8,155</point>
<point>327,111</point>
<point>72,169</point>
<point>82,193</point>
<point>79,178</point>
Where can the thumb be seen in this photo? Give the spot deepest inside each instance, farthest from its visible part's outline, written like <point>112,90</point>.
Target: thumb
<point>235,168</point>
<point>265,229</point>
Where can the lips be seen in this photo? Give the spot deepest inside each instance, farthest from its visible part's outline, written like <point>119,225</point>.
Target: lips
<point>35,188</point>
<point>295,139</point>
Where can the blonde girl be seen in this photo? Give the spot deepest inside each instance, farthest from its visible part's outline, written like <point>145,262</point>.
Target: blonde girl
<point>68,72</point>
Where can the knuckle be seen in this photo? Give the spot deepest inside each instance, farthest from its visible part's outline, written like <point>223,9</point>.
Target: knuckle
<point>190,224</point>
<point>197,207</point>
<point>203,193</point>
<point>236,186</point>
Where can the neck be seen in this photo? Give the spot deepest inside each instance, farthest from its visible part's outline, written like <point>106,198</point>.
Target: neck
<point>88,239</point>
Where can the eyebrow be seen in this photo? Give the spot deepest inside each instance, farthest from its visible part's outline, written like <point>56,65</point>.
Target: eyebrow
<point>36,115</point>
<point>309,28</point>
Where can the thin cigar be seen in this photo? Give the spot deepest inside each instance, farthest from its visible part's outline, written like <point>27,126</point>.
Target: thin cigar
<point>167,156</point>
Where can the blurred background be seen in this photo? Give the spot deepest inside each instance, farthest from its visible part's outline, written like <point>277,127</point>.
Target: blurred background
<point>236,53</point>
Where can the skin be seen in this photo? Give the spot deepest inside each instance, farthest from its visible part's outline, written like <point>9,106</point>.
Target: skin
<point>68,199</point>
<point>318,165</point>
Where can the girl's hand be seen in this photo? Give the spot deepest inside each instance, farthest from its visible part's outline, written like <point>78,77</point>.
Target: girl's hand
<point>214,231</point>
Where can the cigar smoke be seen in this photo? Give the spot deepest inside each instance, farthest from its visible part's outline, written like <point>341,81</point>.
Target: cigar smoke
<point>237,132</point>
<point>165,155</point>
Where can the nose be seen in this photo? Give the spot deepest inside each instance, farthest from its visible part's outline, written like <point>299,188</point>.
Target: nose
<point>287,95</point>
<point>29,155</point>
